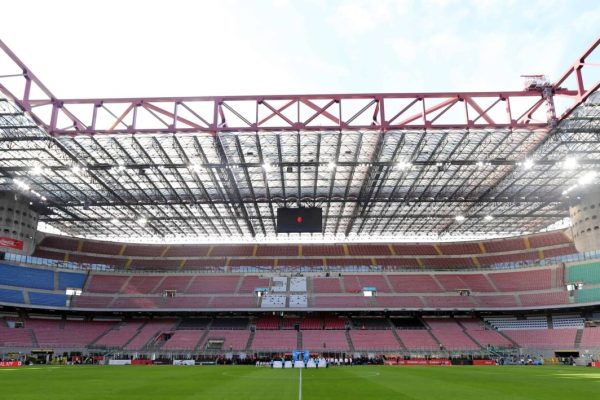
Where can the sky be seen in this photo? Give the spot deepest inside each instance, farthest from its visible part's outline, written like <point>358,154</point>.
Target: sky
<point>109,48</point>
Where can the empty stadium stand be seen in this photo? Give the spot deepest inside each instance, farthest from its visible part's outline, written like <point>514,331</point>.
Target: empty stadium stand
<point>525,249</point>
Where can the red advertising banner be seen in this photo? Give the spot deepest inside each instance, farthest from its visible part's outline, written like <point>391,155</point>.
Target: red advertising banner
<point>484,362</point>
<point>596,364</point>
<point>419,361</point>
<point>141,362</point>
<point>11,243</point>
<point>10,363</point>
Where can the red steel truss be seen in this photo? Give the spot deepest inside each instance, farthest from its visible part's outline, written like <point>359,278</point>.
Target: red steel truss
<point>527,109</point>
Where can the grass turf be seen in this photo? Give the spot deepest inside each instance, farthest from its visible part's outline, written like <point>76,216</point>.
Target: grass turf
<point>245,382</point>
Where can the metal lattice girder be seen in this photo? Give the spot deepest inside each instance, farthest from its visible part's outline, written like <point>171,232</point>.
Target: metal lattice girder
<point>381,165</point>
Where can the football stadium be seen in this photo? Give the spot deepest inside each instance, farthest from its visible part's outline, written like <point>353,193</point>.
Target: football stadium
<point>308,246</point>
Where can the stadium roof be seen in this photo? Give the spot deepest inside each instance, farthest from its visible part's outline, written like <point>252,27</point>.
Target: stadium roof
<point>402,166</point>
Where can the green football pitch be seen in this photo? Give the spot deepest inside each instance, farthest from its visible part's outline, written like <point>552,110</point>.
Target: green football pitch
<point>245,382</point>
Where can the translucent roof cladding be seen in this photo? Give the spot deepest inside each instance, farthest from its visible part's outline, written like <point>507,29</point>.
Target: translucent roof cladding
<point>372,185</point>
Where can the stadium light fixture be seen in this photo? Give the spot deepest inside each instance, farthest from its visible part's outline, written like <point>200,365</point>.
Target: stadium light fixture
<point>267,167</point>
<point>588,177</point>
<point>331,165</point>
<point>37,170</point>
<point>570,163</point>
<point>142,221</point>
<point>22,185</point>
<point>480,164</point>
<point>528,163</point>
<point>459,218</point>
<point>488,217</point>
<point>115,221</point>
<point>403,165</point>
<point>369,291</point>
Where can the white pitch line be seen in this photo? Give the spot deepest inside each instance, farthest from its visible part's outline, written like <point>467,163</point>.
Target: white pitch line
<point>300,386</point>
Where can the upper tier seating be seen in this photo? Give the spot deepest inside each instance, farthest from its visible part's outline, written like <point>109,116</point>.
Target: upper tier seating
<point>459,248</point>
<point>276,250</point>
<point>187,251</point>
<point>504,245</point>
<point>548,239</point>
<point>318,257</point>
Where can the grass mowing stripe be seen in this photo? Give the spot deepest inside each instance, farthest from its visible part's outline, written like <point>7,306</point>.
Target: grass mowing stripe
<point>338,383</point>
<point>300,386</point>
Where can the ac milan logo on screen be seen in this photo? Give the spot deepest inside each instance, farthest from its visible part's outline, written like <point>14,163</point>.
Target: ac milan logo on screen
<point>11,243</point>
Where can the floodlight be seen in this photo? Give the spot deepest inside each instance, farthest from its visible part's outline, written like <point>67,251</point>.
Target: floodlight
<point>459,218</point>
<point>570,163</point>
<point>488,217</point>
<point>331,165</point>
<point>588,177</point>
<point>528,163</point>
<point>402,165</point>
